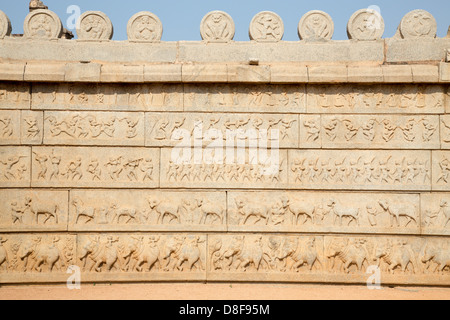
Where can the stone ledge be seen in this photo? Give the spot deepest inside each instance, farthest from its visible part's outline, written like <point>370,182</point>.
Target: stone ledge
<point>12,71</point>
<point>445,72</point>
<point>275,73</point>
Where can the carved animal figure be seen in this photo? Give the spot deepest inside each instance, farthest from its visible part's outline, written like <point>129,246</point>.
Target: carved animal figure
<point>164,209</point>
<point>182,249</point>
<point>100,253</point>
<point>141,254</point>
<point>352,253</point>
<point>397,211</point>
<point>439,256</point>
<point>88,213</point>
<point>340,212</point>
<point>189,252</point>
<point>117,213</point>
<point>248,209</point>
<point>39,209</point>
<point>299,209</point>
<point>396,256</point>
<point>39,254</point>
<point>210,209</point>
<point>306,255</point>
<point>3,254</point>
<point>251,253</point>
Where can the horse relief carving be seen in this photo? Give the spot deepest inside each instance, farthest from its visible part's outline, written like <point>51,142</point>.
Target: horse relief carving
<point>136,254</point>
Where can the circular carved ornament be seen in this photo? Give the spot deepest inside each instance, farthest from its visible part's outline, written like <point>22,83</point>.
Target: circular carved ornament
<point>418,24</point>
<point>5,25</point>
<point>145,26</point>
<point>366,24</point>
<point>267,26</point>
<point>316,25</point>
<point>42,24</point>
<point>217,26</point>
<point>95,26</point>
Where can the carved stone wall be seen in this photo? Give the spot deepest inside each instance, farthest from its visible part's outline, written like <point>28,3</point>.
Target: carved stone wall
<point>88,128</point>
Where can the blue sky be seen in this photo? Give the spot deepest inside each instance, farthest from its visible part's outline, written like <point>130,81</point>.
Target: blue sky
<point>181,18</point>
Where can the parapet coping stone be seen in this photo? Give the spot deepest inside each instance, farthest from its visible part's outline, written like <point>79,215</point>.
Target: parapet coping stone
<point>381,61</point>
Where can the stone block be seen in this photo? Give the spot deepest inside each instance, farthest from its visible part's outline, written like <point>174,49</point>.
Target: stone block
<point>185,257</point>
<point>412,50</point>
<point>133,211</point>
<point>108,97</point>
<point>83,72</point>
<point>377,132</point>
<point>444,72</point>
<point>94,128</point>
<point>397,74</point>
<point>45,72</point>
<point>15,167</point>
<point>37,258</point>
<point>310,131</point>
<point>69,167</point>
<point>32,210</point>
<point>32,127</point>
<point>288,73</point>
<point>435,213</point>
<point>365,74</point>
<point>323,212</point>
<point>204,73</point>
<point>122,73</point>
<point>245,98</point>
<point>320,258</point>
<point>412,99</point>
<point>328,74</point>
<point>248,74</point>
<point>12,71</point>
<point>425,73</point>
<point>186,167</point>
<point>14,95</point>
<point>162,73</point>
<point>360,170</point>
<point>167,129</point>
<point>9,127</point>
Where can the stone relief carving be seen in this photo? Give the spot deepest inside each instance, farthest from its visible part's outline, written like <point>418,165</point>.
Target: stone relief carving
<point>266,26</point>
<point>316,25</point>
<point>87,128</point>
<point>251,98</point>
<point>361,169</point>
<point>42,24</point>
<point>379,99</point>
<point>14,96</point>
<point>28,210</point>
<point>5,25</point>
<point>142,254</point>
<point>371,131</point>
<point>162,128</point>
<point>144,27</point>
<point>141,210</point>
<point>80,167</point>
<point>14,167</point>
<point>163,97</point>
<point>95,26</point>
<point>28,254</point>
<point>217,26</point>
<point>225,174</point>
<point>37,4</point>
<point>325,212</point>
<point>270,254</point>
<point>366,24</point>
<point>418,24</point>
<point>435,213</point>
